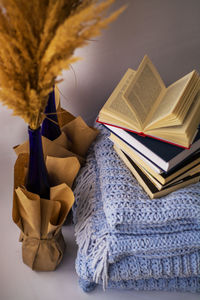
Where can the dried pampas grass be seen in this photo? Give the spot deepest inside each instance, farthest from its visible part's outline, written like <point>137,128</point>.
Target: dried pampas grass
<point>37,41</point>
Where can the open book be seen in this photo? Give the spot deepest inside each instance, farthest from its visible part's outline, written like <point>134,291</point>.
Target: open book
<point>142,103</point>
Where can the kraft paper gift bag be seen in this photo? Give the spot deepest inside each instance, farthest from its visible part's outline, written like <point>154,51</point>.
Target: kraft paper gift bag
<point>40,221</point>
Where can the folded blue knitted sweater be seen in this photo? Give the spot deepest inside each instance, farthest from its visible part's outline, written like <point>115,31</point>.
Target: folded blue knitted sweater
<point>152,249</point>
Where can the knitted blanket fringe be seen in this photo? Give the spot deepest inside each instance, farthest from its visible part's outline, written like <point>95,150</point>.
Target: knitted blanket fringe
<point>83,228</point>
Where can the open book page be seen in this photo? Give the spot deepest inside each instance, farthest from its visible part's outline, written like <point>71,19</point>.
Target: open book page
<point>182,134</point>
<point>145,89</point>
<point>164,111</point>
<point>117,108</point>
<point>190,93</point>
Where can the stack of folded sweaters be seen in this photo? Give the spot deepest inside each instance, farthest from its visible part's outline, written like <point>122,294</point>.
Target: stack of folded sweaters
<point>128,241</point>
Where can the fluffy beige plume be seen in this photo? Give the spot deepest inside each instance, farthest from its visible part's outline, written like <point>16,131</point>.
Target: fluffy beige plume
<point>37,41</point>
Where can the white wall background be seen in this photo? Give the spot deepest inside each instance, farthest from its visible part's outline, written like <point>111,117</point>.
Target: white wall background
<point>167,30</point>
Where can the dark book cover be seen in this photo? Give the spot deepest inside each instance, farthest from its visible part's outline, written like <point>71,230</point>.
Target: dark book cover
<point>164,155</point>
<point>164,150</point>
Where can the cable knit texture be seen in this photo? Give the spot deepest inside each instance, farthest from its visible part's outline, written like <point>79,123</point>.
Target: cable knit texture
<point>125,239</point>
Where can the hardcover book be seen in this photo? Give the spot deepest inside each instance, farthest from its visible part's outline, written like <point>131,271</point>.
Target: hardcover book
<point>189,172</point>
<point>165,156</point>
<point>147,184</point>
<point>142,103</point>
<point>154,173</point>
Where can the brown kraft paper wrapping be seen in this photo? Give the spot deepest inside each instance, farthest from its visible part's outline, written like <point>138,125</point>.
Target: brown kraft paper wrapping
<point>75,140</point>
<point>40,221</point>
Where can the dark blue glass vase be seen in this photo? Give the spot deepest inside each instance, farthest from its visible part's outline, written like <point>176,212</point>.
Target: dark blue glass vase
<point>50,129</point>
<point>37,177</point>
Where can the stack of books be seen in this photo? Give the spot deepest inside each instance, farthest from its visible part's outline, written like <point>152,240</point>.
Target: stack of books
<point>155,130</point>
